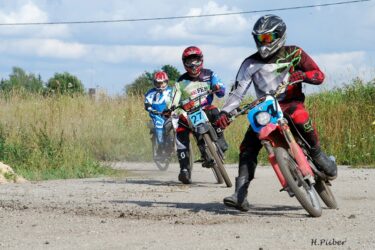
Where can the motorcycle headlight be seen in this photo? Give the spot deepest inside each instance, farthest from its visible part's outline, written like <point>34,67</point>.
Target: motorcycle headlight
<point>263,118</point>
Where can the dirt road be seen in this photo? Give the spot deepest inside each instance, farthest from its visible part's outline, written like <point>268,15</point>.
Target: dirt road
<point>152,210</point>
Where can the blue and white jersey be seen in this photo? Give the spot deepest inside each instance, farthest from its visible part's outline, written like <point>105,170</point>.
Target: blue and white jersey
<point>158,100</point>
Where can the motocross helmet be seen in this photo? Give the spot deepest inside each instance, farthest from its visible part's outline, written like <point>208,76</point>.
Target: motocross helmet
<point>192,58</point>
<point>160,80</point>
<point>269,33</point>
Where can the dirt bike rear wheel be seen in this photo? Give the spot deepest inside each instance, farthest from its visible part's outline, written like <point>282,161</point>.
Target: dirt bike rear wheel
<point>219,168</point>
<point>161,162</point>
<point>304,192</point>
<point>325,193</point>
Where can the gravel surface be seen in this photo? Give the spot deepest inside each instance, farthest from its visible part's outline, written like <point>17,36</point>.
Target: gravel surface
<point>150,209</point>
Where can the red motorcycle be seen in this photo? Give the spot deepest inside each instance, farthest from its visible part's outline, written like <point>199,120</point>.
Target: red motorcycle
<point>288,153</point>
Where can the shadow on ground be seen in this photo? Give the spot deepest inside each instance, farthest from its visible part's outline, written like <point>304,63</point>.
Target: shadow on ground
<point>220,208</point>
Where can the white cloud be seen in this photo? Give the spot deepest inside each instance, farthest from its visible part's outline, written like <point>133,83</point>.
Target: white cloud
<point>49,48</point>
<point>30,13</point>
<point>27,13</point>
<point>151,54</point>
<point>343,67</point>
<point>341,62</point>
<point>198,28</point>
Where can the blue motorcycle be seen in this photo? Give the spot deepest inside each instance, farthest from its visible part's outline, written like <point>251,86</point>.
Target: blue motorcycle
<point>162,139</point>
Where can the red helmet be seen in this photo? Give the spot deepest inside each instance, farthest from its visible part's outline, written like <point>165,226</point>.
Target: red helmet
<point>161,80</point>
<point>192,58</point>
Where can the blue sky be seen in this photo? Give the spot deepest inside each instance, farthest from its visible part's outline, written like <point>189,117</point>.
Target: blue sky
<point>340,38</point>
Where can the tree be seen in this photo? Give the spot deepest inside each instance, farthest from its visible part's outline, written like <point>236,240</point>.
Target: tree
<point>20,80</point>
<point>144,82</point>
<point>64,83</point>
<point>140,85</point>
<point>172,72</point>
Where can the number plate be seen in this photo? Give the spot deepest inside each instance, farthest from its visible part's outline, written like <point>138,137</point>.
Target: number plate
<point>268,105</point>
<point>197,117</point>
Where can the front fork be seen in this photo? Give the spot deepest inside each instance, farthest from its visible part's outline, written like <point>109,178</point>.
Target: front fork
<point>295,150</point>
<point>274,164</point>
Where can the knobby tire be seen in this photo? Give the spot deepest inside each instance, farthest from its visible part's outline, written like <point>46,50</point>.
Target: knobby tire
<point>219,166</point>
<point>306,197</point>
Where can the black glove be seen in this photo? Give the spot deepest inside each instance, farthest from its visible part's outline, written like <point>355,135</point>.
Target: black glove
<point>167,113</point>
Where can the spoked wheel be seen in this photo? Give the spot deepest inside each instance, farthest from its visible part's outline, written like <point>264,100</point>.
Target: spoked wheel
<point>325,193</point>
<point>161,161</point>
<point>218,168</point>
<point>304,192</point>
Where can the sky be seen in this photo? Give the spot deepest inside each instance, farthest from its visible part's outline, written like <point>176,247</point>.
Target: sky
<point>341,38</point>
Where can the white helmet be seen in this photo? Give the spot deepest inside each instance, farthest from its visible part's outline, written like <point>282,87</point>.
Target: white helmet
<point>269,33</point>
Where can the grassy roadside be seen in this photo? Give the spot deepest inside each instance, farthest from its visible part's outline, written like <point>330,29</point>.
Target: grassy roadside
<point>67,137</point>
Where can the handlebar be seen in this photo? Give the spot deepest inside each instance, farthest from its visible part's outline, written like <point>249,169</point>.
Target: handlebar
<point>205,93</point>
<point>274,93</point>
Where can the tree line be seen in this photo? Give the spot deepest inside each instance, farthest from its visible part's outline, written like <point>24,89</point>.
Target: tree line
<point>60,83</point>
<point>66,83</point>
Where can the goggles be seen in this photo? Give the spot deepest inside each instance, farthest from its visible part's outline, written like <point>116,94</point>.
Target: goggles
<point>160,84</point>
<point>266,38</point>
<point>193,63</point>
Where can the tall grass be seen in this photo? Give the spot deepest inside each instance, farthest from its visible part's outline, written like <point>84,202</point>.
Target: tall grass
<point>67,137</point>
<point>344,120</point>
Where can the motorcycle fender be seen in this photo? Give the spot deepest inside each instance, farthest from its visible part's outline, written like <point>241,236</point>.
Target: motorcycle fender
<point>202,128</point>
<point>266,131</point>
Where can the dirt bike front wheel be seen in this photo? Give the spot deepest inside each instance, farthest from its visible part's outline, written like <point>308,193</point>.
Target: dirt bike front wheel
<point>162,162</point>
<point>325,193</point>
<point>304,192</point>
<point>221,171</point>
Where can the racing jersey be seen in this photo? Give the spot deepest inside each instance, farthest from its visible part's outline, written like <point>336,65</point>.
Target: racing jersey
<point>190,87</point>
<point>267,74</point>
<point>158,100</point>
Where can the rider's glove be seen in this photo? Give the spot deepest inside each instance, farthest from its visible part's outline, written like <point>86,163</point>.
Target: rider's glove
<point>216,87</point>
<point>155,112</point>
<point>223,120</point>
<point>167,113</point>
<point>297,76</point>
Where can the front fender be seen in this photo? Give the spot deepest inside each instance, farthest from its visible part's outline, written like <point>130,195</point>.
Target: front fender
<point>267,130</point>
<point>202,128</point>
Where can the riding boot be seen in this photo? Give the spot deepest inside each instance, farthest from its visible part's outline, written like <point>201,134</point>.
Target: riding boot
<point>238,200</point>
<point>206,161</point>
<point>221,140</point>
<point>323,162</point>
<point>183,158</point>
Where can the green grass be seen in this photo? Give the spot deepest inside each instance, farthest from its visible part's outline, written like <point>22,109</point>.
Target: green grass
<point>68,137</point>
<point>344,120</point>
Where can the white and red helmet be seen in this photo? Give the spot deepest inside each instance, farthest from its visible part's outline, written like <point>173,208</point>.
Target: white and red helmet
<point>160,80</point>
<point>192,58</point>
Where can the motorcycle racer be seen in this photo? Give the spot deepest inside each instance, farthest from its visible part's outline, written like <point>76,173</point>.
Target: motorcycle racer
<point>273,63</point>
<point>195,80</point>
<point>156,101</point>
